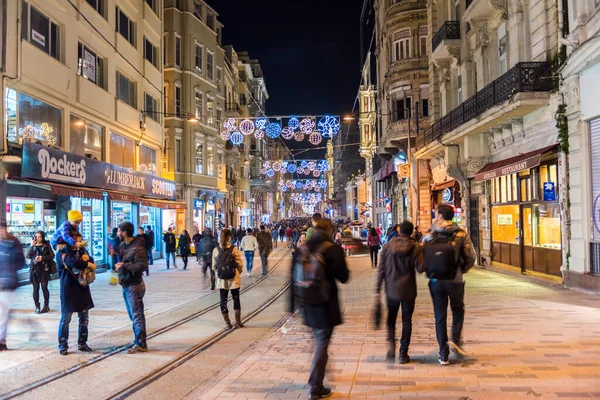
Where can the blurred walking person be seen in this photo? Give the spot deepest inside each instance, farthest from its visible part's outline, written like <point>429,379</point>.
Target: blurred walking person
<point>185,242</point>
<point>227,264</point>
<point>208,243</point>
<point>249,245</point>
<point>170,246</point>
<point>131,277</point>
<point>399,259</point>
<point>374,243</point>
<point>265,247</point>
<point>42,261</point>
<point>113,247</point>
<point>150,242</point>
<point>196,240</point>
<point>11,260</point>
<point>145,241</point>
<point>322,310</point>
<point>274,235</point>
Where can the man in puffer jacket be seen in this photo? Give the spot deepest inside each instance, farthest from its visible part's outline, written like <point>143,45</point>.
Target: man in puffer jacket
<point>11,260</point>
<point>397,267</point>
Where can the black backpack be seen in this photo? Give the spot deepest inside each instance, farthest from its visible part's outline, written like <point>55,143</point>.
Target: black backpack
<point>439,258</point>
<point>226,265</point>
<point>310,281</point>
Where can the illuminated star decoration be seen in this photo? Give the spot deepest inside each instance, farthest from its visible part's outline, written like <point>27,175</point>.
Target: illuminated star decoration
<point>307,126</point>
<point>315,138</point>
<point>229,124</point>
<point>329,126</point>
<point>548,187</point>
<point>225,135</point>
<point>237,138</point>
<point>246,127</point>
<point>294,123</point>
<point>261,123</point>
<point>273,130</point>
<point>287,133</point>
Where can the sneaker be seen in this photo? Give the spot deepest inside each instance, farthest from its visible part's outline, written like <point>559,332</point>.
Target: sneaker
<point>137,349</point>
<point>321,394</point>
<point>457,348</point>
<point>63,352</point>
<point>85,348</point>
<point>45,310</point>
<point>3,347</point>
<point>444,360</point>
<point>404,358</point>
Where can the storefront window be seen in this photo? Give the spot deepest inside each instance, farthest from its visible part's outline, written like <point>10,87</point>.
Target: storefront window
<point>199,156</point>
<point>505,223</point>
<point>38,121</point>
<point>147,160</point>
<point>548,182</point>
<point>546,226</point>
<point>120,212</point>
<point>169,220</point>
<point>92,225</point>
<point>87,138</point>
<point>121,151</point>
<point>149,216</point>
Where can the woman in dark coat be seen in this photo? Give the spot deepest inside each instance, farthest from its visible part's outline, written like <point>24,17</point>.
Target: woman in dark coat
<point>41,255</point>
<point>185,242</point>
<point>73,297</point>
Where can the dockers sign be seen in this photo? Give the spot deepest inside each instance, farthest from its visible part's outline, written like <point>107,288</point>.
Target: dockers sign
<point>45,163</point>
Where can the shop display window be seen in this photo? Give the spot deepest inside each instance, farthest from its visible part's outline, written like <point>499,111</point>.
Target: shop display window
<point>37,121</point>
<point>87,138</point>
<point>120,212</point>
<point>121,151</point>
<point>548,175</point>
<point>149,217</point>
<point>147,160</point>
<point>169,220</point>
<point>546,226</point>
<point>505,224</point>
<point>92,225</point>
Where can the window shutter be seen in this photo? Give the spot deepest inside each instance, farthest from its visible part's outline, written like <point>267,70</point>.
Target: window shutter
<point>595,153</point>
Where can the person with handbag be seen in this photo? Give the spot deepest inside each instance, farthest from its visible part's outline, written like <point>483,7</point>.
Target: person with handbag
<point>42,263</point>
<point>374,243</point>
<point>183,247</point>
<point>75,294</point>
<point>227,264</point>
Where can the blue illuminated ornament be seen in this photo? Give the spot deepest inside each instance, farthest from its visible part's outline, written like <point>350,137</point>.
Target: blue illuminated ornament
<point>307,125</point>
<point>270,173</point>
<point>315,138</point>
<point>283,189</point>
<point>273,130</point>
<point>322,183</point>
<point>323,165</point>
<point>294,123</point>
<point>287,133</point>
<point>237,138</point>
<point>329,126</point>
<point>261,123</point>
<point>246,127</point>
<point>291,168</point>
<point>304,164</point>
<point>259,134</point>
<point>225,135</point>
<point>284,167</point>
<point>299,185</point>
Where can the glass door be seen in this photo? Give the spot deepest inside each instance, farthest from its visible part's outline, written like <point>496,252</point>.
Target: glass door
<point>526,235</point>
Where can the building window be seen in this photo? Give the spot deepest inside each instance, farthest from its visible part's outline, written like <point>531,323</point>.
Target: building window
<point>177,155</point>
<point>425,104</point>
<point>209,65</point>
<point>90,66</point>
<point>125,26</point>
<point>87,138</point>
<point>177,51</point>
<point>210,21</point>
<point>423,41</point>
<point>147,162</point>
<point>165,47</point>
<point>221,165</point>
<point>125,89</point>
<point>210,161</point>
<point>165,97</point>
<point>502,43</point>
<point>150,52</point>
<point>198,9</point>
<point>459,86</point>
<point>198,103</point>
<point>199,158</point>
<point>178,100</point>
<point>209,111</point>
<point>121,151</point>
<point>97,5</point>
<point>401,48</point>
<point>242,99</point>
<point>37,121</point>
<point>403,108</point>
<point>219,80</point>
<point>151,107</point>
<point>41,31</point>
<point>219,113</point>
<point>198,58</point>
<point>152,4</point>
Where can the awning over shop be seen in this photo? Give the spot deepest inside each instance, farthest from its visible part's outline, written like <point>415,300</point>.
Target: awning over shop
<point>444,185</point>
<point>60,190</point>
<point>165,205</point>
<point>513,164</point>
<point>118,196</point>
<point>386,170</point>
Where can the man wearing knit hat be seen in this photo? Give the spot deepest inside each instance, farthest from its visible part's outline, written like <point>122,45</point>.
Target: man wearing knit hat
<point>64,234</point>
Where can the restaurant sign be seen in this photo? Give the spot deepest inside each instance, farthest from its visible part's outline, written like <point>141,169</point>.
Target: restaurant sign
<point>40,162</point>
<point>508,169</point>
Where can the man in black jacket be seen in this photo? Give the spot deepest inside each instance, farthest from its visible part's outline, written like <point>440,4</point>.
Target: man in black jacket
<point>131,271</point>
<point>11,260</point>
<point>397,267</point>
<point>170,246</point>
<point>322,318</point>
<point>149,244</point>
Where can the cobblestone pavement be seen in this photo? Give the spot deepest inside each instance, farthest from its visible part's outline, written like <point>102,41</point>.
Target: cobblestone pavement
<point>526,340</point>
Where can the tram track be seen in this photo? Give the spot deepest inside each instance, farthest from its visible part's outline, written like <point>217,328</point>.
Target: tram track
<point>203,345</point>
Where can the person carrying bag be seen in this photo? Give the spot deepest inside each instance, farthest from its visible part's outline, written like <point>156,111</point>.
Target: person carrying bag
<point>42,266</point>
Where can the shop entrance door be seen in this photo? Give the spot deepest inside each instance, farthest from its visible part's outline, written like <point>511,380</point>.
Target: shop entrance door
<point>526,238</point>
<point>474,223</point>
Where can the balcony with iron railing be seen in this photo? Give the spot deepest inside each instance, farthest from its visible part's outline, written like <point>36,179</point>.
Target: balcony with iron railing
<point>524,77</point>
<point>401,6</point>
<point>448,35</point>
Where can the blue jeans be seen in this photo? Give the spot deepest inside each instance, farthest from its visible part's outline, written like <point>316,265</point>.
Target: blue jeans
<point>249,260</point>
<point>63,329</point>
<point>172,254</point>
<point>150,259</point>
<point>134,302</point>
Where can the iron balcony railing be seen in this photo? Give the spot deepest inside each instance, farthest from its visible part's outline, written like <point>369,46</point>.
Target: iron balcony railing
<point>450,30</point>
<point>523,77</point>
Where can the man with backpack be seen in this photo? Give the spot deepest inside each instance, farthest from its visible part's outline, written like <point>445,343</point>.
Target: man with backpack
<point>315,269</point>
<point>446,257</point>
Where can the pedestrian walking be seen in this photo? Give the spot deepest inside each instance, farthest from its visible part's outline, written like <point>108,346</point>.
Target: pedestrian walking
<point>227,264</point>
<point>322,314</point>
<point>397,268</point>
<point>11,260</point>
<point>446,257</point>
<point>131,278</point>
<point>395,230</point>
<point>150,242</point>
<point>113,247</point>
<point>249,245</point>
<point>281,233</point>
<point>240,235</point>
<point>374,243</point>
<point>196,240</point>
<point>145,241</point>
<point>265,247</point>
<point>274,235</point>
<point>207,245</point>
<point>183,247</point>
<point>289,234</point>
<point>316,217</point>
<point>72,261</point>
<point>170,244</point>
<point>42,262</point>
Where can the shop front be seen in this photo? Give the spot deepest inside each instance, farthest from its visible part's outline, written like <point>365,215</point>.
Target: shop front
<point>198,215</point>
<point>525,216</point>
<point>447,193</point>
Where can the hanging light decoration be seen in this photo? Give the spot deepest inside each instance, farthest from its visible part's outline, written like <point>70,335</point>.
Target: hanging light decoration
<point>259,134</point>
<point>229,124</point>
<point>267,164</point>
<point>323,165</point>
<point>300,171</point>
<point>287,133</point>
<point>329,126</point>
<point>299,136</point>
<point>270,173</point>
<point>263,171</point>
<point>307,125</point>
<point>292,168</point>
<point>293,123</point>
<point>316,173</point>
<point>288,184</point>
<point>276,166</point>
<point>237,138</point>
<point>225,135</point>
<point>247,127</point>
<point>304,164</point>
<point>283,189</point>
<point>315,138</point>
<point>273,130</point>
<point>311,165</point>
<point>261,123</point>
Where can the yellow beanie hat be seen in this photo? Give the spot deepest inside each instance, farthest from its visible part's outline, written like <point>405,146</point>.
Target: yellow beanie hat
<point>74,215</point>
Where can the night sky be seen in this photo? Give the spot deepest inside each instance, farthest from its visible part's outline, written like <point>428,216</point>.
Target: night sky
<point>309,50</point>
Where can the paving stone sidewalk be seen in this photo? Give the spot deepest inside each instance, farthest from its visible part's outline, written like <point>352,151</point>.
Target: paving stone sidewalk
<point>526,340</point>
